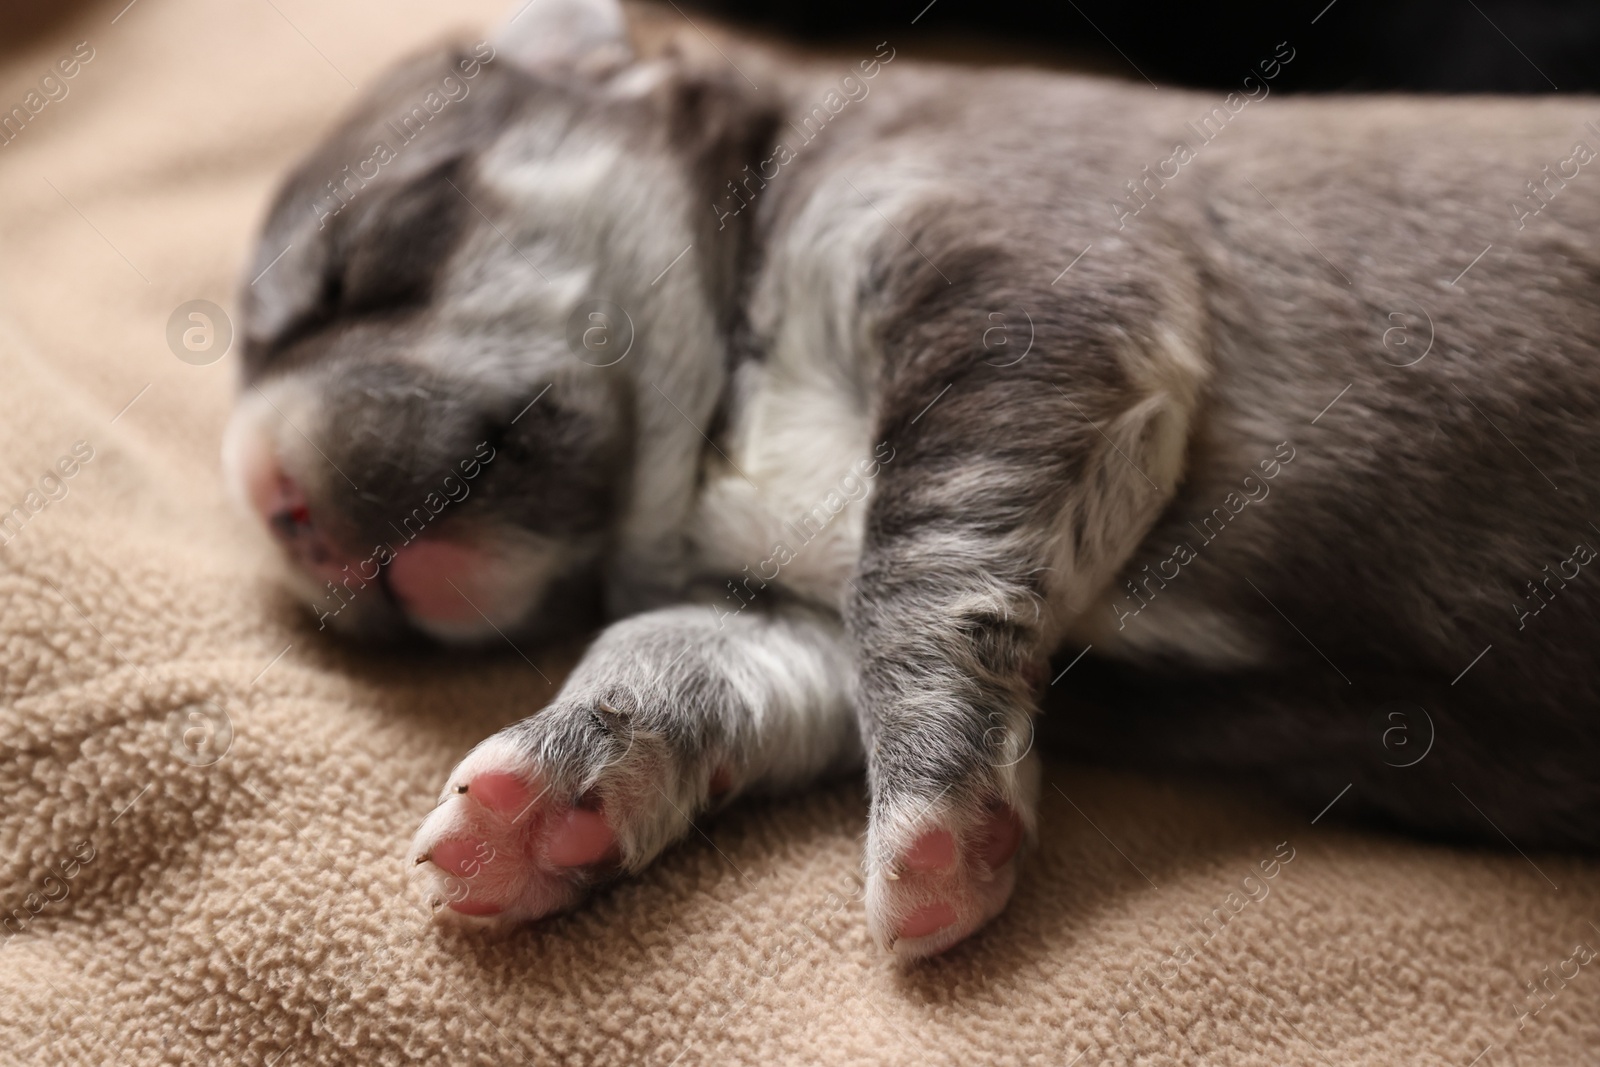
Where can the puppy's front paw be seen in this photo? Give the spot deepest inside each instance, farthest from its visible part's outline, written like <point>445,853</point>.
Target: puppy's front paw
<point>540,812</point>
<point>503,846</point>
<point>941,862</point>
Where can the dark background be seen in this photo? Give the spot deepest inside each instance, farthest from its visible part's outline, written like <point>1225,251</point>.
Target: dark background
<point>1518,46</point>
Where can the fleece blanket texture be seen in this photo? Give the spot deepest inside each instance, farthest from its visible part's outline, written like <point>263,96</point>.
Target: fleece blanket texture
<point>205,803</point>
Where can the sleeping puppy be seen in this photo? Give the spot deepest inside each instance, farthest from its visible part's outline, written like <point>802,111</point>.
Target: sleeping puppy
<point>850,392</point>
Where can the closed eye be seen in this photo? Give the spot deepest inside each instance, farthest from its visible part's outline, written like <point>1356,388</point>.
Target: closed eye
<point>386,251</point>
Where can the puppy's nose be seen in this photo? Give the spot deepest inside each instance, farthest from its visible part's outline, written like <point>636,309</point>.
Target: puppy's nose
<point>283,506</point>
<point>286,509</point>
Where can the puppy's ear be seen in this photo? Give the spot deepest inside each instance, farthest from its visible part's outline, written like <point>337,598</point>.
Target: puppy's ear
<point>561,37</point>
<point>724,132</point>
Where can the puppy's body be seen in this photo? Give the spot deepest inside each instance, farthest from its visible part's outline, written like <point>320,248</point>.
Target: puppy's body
<point>1302,261</point>
<point>976,369</point>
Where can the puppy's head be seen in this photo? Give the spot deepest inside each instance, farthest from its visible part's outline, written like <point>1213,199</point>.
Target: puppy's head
<point>451,304</point>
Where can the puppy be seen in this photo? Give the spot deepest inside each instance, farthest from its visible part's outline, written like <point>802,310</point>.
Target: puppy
<point>851,391</point>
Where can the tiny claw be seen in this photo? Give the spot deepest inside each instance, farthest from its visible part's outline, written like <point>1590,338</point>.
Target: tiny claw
<point>891,875</point>
<point>608,709</point>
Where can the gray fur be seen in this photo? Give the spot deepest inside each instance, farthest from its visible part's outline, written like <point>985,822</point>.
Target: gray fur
<point>1185,332</point>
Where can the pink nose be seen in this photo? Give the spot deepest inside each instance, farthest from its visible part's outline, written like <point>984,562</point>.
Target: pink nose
<point>284,507</point>
<point>438,583</point>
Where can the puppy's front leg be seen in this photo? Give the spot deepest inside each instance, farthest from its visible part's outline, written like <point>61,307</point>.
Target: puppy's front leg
<point>1007,508</point>
<point>668,712</point>
<point>945,647</point>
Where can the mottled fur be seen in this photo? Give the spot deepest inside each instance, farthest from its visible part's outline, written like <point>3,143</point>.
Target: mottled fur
<point>999,508</point>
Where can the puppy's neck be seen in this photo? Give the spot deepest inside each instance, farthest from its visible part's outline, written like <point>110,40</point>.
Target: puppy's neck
<point>678,274</point>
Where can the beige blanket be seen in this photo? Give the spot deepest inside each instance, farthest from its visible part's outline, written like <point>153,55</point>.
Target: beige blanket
<point>206,802</point>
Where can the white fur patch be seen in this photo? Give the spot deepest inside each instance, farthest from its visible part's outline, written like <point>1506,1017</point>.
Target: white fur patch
<point>797,480</point>
<point>800,448</point>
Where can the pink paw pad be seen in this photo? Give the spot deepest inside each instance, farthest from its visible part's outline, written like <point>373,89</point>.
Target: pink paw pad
<point>501,845</point>
<point>461,858</point>
<point>501,793</point>
<point>1001,838</point>
<point>579,838</point>
<point>945,888</point>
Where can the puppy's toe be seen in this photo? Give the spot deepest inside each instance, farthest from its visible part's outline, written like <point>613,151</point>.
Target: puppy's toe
<point>945,873</point>
<point>502,847</point>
